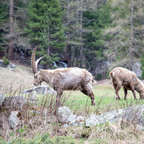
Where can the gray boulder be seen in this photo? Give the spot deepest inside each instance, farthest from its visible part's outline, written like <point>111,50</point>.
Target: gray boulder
<point>66,117</point>
<point>40,90</point>
<point>63,113</point>
<point>130,115</point>
<point>11,65</point>
<point>134,115</point>
<point>16,102</point>
<point>94,120</point>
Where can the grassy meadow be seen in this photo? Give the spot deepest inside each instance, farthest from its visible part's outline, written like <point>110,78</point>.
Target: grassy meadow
<point>42,126</point>
<point>104,98</point>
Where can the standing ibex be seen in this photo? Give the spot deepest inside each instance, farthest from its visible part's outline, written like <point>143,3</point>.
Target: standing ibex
<point>63,79</point>
<point>128,79</point>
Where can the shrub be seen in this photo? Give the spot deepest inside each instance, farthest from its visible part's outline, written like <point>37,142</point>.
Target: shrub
<point>6,61</point>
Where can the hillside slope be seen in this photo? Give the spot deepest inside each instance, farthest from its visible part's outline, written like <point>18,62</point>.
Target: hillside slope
<point>14,80</point>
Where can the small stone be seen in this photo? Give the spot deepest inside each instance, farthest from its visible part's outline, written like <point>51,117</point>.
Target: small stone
<point>14,119</point>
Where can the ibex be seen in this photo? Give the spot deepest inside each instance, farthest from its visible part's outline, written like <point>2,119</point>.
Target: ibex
<point>63,79</point>
<point>128,79</point>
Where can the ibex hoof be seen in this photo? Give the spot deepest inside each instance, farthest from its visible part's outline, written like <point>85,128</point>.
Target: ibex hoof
<point>117,98</point>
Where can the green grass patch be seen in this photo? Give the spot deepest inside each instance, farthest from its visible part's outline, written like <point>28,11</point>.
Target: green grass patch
<point>104,98</point>
<point>45,139</point>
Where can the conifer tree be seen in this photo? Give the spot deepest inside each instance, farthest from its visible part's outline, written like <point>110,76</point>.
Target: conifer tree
<point>95,22</point>
<point>124,36</point>
<point>45,27</point>
<point>3,19</point>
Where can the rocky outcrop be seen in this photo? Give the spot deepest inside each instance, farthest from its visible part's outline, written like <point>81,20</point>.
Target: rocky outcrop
<point>130,115</point>
<point>111,117</point>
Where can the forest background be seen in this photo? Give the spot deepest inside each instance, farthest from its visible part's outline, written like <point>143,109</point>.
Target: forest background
<point>94,34</point>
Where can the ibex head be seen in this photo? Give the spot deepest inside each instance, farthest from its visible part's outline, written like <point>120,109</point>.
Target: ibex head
<point>37,74</point>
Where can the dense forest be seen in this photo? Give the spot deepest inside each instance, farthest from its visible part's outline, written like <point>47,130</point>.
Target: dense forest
<point>93,34</point>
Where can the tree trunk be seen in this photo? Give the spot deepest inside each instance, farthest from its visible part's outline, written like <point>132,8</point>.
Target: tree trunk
<point>48,50</point>
<point>67,48</point>
<point>11,29</point>
<point>131,37</point>
<point>82,59</point>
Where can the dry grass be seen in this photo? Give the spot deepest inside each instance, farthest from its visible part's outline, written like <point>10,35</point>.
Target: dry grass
<point>19,78</point>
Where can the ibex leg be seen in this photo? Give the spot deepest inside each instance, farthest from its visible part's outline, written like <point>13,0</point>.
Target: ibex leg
<point>116,91</point>
<point>133,91</point>
<point>87,91</point>
<point>125,93</point>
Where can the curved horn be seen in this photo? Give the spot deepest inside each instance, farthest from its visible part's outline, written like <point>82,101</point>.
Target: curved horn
<point>33,62</point>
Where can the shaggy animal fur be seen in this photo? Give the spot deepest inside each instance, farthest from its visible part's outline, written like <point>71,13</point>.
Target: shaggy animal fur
<point>64,79</point>
<point>128,79</point>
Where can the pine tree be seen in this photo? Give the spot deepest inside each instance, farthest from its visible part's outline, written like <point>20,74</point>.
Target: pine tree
<point>84,22</point>
<point>73,20</point>
<point>12,23</point>
<point>3,19</point>
<point>45,27</point>
<point>95,22</point>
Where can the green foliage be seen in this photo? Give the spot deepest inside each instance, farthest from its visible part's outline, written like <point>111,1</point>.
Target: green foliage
<point>45,139</point>
<point>118,35</point>
<point>3,13</point>
<point>98,77</point>
<point>21,130</point>
<point>3,19</point>
<point>45,26</point>
<point>96,21</point>
<point>6,61</point>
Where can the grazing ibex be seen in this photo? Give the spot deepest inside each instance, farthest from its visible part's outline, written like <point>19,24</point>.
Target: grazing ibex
<point>128,79</point>
<point>63,79</point>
